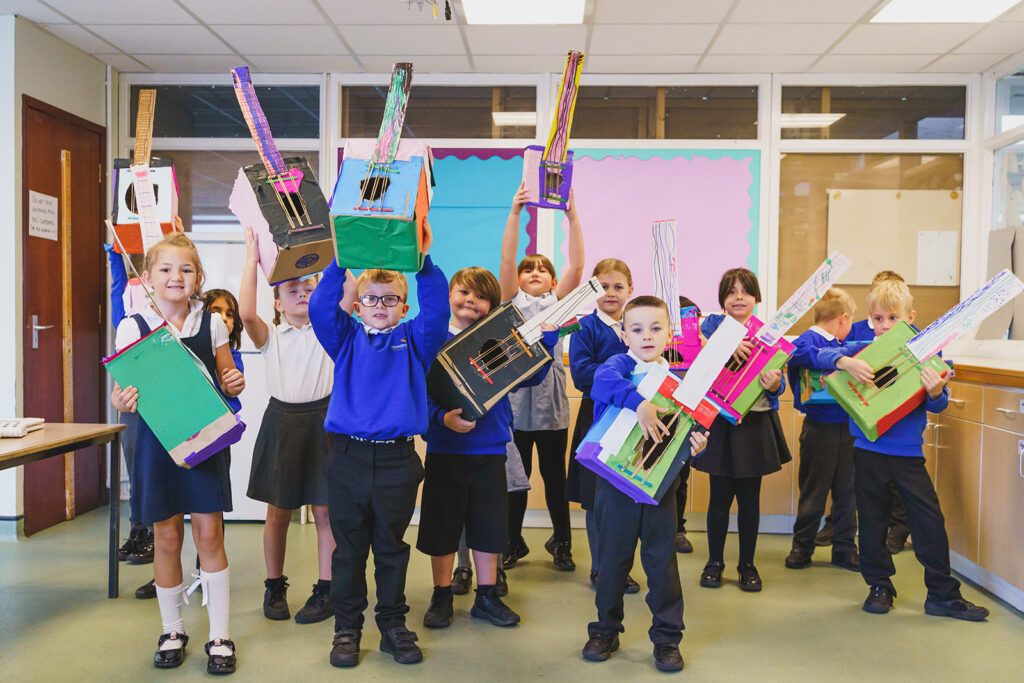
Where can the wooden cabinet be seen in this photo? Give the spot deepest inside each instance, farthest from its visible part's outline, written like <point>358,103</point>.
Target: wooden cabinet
<point>1002,505</point>
<point>957,476</point>
<point>965,401</point>
<point>1004,408</point>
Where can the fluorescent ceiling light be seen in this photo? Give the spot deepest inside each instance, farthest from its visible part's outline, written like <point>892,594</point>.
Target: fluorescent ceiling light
<point>809,120</point>
<point>942,11</point>
<point>514,118</point>
<point>523,11</point>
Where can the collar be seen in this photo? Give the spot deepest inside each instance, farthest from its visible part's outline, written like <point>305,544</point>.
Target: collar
<point>374,330</point>
<point>607,319</point>
<point>285,327</point>
<point>871,325</point>
<point>823,333</point>
<point>643,366</point>
<point>452,330</point>
<point>151,311</point>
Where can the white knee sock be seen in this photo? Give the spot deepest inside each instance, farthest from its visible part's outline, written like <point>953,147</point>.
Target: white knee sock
<point>217,591</point>
<point>171,613</point>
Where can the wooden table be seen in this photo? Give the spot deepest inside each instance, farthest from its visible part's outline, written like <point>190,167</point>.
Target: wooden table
<point>57,439</point>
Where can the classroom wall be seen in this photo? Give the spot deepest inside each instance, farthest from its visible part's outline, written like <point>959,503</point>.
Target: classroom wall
<point>40,65</point>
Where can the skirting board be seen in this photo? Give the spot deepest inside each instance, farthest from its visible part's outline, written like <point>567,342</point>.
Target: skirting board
<point>987,581</point>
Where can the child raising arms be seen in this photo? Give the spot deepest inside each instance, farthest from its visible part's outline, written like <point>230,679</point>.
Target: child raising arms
<point>167,492</point>
<point>541,413</point>
<point>290,454</point>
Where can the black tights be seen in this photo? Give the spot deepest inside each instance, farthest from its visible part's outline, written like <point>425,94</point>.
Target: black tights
<point>747,492</point>
<point>551,445</point>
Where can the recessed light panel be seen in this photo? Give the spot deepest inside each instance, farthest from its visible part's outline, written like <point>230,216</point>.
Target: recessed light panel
<point>523,11</point>
<point>942,11</point>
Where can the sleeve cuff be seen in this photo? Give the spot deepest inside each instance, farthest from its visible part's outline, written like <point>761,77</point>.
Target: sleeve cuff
<point>633,400</point>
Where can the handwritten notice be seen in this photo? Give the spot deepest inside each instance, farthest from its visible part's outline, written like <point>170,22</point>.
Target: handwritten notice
<point>42,216</point>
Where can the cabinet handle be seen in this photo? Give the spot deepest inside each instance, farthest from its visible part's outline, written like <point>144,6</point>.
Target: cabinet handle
<point>957,401</point>
<point>1020,458</point>
<point>1007,411</point>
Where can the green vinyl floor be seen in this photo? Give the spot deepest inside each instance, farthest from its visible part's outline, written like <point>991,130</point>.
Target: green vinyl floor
<point>56,623</point>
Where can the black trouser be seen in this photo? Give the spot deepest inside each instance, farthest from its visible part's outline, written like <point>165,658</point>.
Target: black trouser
<point>873,472</point>
<point>551,445</point>
<point>898,516</point>
<point>684,484</point>
<point>622,522</point>
<point>826,465</point>
<point>371,496</point>
<point>747,492</point>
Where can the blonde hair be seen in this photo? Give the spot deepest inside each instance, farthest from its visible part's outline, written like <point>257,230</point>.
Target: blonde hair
<point>892,296</point>
<point>480,281</point>
<point>833,304</point>
<point>886,276</point>
<point>178,240</point>
<point>383,277</point>
<point>613,265</point>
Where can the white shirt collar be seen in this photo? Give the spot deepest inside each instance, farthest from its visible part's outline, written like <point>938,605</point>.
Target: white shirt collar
<point>286,326</point>
<point>871,325</point>
<point>374,330</point>
<point>607,319</point>
<point>453,330</point>
<point>642,366</point>
<point>823,333</point>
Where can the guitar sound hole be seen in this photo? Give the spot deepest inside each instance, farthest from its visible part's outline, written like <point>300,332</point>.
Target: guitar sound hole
<point>552,181</point>
<point>492,356</point>
<point>734,365</point>
<point>885,376</point>
<point>132,203</point>
<point>374,188</point>
<point>291,204</point>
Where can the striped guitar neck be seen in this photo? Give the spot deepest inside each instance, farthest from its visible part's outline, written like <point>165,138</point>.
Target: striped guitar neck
<point>142,185</point>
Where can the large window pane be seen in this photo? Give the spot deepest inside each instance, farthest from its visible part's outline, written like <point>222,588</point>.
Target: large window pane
<point>211,111</point>
<point>1006,239</point>
<point>444,111</point>
<point>634,112</point>
<point>205,180</point>
<point>896,112</point>
<point>804,217</point>
<point>1010,102</point>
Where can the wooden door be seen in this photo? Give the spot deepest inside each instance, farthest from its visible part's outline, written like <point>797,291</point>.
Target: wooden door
<point>64,326</point>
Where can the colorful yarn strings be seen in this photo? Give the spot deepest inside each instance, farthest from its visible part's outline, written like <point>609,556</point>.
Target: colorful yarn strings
<point>666,283</point>
<point>394,114</point>
<point>558,140</point>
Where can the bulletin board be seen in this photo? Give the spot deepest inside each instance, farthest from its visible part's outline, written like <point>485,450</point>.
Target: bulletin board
<point>914,232</point>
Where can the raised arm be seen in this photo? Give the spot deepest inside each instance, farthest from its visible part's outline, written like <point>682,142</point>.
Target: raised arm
<point>573,273</point>
<point>251,322</point>
<point>507,276</point>
<point>330,324</point>
<point>429,328</point>
<point>118,283</point>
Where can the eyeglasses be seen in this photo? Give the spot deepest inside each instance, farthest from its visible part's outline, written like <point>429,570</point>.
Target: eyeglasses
<point>388,300</point>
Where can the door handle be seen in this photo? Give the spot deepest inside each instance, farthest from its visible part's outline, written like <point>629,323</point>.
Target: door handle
<point>35,331</point>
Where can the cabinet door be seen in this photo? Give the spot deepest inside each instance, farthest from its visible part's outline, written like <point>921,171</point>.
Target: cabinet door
<point>1002,505</point>
<point>958,481</point>
<point>965,401</point>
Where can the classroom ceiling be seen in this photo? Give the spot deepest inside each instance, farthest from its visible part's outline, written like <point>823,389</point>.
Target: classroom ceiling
<point>618,36</point>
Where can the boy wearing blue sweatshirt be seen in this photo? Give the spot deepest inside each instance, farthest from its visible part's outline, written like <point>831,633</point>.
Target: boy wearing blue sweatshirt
<point>826,446</point>
<point>622,521</point>
<point>378,403</point>
<point>896,458</point>
<point>465,484</point>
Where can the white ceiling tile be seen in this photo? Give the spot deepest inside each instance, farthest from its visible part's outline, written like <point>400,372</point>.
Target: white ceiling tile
<point>123,11</point>
<point>438,64</point>
<point>903,39</point>
<point>800,11</point>
<point>1005,37</point>
<point>290,64</point>
<point>399,41</point>
<point>1014,14</point>
<point>190,63</point>
<point>282,40</point>
<point>526,40</point>
<point>519,64</point>
<point>381,12</point>
<point>756,63</point>
<point>122,63</point>
<point>167,40</point>
<point>271,12</point>
<point>776,39</point>
<point>970,64</point>
<point>639,64</point>
<point>651,39</point>
<point>675,12</point>
<point>32,10</point>
<point>79,37</point>
<point>872,63</point>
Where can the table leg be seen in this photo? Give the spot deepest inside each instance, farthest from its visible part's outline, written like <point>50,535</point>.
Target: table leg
<point>114,451</point>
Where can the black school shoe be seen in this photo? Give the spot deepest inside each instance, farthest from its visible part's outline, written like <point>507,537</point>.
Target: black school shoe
<point>275,599</point>
<point>490,607</point>
<point>135,534</point>
<point>345,648</point>
<point>711,577</point>
<point>750,580</point>
<point>220,664</point>
<point>632,586</point>
<point>146,591</point>
<point>667,657</point>
<point>896,540</point>
<point>515,553</point>
<point>143,551</point>
<point>958,609</point>
<point>599,648</point>
<point>501,584</point>
<point>440,612</point>
<point>799,558</point>
<point>879,600</point>
<point>683,544</point>
<point>318,606</point>
<point>847,559</point>
<point>561,554</point>
<point>400,643</point>
<point>462,580</point>
<point>168,659</point>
